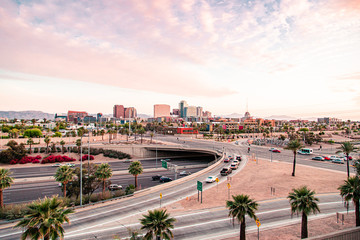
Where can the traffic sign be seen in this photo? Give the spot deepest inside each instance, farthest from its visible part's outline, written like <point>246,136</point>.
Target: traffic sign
<point>217,179</point>
<point>229,185</point>
<point>199,185</point>
<point>258,224</point>
<point>164,164</point>
<point>160,195</point>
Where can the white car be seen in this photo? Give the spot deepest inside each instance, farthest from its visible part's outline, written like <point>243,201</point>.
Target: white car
<point>114,187</point>
<point>235,162</point>
<point>70,164</point>
<point>210,179</point>
<point>57,165</point>
<point>271,149</point>
<point>184,173</point>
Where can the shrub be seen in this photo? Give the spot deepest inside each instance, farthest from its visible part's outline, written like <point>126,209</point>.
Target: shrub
<point>86,157</point>
<point>118,193</point>
<point>14,161</point>
<point>36,150</point>
<point>42,149</point>
<point>58,149</point>
<point>14,211</point>
<point>130,189</point>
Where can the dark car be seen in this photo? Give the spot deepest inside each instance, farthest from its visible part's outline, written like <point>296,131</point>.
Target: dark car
<point>318,158</point>
<point>165,179</point>
<point>226,160</point>
<point>238,158</point>
<point>156,177</point>
<point>225,171</point>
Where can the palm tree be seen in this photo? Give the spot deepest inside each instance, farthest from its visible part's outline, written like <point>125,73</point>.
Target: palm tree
<point>62,143</point>
<point>47,141</point>
<point>303,200</point>
<point>64,174</point>
<point>241,206</point>
<point>347,148</point>
<point>157,223</point>
<point>30,142</point>
<point>45,220</point>
<point>5,182</point>
<point>294,146</point>
<point>135,169</point>
<point>141,131</point>
<point>78,144</point>
<point>350,190</point>
<point>103,172</point>
<point>151,136</point>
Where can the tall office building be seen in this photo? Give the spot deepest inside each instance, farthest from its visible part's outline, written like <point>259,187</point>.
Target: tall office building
<point>161,110</point>
<point>190,111</point>
<point>130,112</point>
<point>74,116</point>
<point>182,105</point>
<point>119,111</point>
<point>199,111</point>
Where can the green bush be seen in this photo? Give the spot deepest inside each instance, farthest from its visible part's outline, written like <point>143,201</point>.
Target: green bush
<point>42,149</point>
<point>36,150</point>
<point>130,189</point>
<point>118,193</point>
<point>14,211</point>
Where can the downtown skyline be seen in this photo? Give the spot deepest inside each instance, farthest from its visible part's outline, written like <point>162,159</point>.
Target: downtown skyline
<point>296,58</point>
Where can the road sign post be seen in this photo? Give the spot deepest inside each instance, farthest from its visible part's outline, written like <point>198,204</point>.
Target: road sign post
<point>258,224</point>
<point>217,184</point>
<point>160,199</point>
<point>199,188</point>
<point>228,185</point>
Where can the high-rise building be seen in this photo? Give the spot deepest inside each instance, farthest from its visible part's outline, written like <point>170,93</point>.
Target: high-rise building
<point>176,112</point>
<point>199,111</point>
<point>207,114</point>
<point>130,112</point>
<point>161,110</point>
<point>119,111</point>
<point>182,105</point>
<point>190,111</point>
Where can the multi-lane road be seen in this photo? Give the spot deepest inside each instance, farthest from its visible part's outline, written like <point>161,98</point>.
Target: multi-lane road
<point>103,222</point>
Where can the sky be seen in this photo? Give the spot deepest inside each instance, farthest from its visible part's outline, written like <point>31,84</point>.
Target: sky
<point>298,58</point>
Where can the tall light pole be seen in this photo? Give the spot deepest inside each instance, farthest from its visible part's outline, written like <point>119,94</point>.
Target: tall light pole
<point>155,151</point>
<point>81,183</point>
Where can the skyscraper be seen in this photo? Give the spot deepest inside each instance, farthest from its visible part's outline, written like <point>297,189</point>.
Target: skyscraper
<point>199,111</point>
<point>130,112</point>
<point>161,110</point>
<point>119,111</point>
<point>182,105</point>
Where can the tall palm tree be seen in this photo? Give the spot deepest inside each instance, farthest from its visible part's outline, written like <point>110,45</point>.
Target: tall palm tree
<point>47,140</point>
<point>141,131</point>
<point>240,206</point>
<point>45,220</point>
<point>347,148</point>
<point>294,146</point>
<point>151,136</point>
<point>64,174</point>
<point>5,182</point>
<point>350,190</point>
<point>157,223</point>
<point>102,133</point>
<point>30,142</point>
<point>103,172</point>
<point>135,169</point>
<point>303,200</point>
<point>62,143</point>
<point>78,144</point>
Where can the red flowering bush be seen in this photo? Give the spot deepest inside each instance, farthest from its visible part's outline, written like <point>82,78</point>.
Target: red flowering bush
<point>86,157</point>
<point>13,162</point>
<point>58,158</point>
<point>36,161</point>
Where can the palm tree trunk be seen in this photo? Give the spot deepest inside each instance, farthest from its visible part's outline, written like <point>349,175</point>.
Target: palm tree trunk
<point>1,198</point>
<point>347,165</point>
<point>293,173</point>
<point>242,230</point>
<point>30,149</point>
<point>304,230</point>
<point>136,181</point>
<point>357,217</point>
<point>64,186</point>
<point>103,193</point>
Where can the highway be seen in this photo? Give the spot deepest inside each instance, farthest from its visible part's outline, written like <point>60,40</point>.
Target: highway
<point>103,222</point>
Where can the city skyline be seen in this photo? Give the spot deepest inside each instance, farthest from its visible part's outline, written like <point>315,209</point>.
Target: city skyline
<point>295,58</point>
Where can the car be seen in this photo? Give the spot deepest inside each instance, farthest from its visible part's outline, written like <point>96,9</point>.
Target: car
<point>184,173</point>
<point>156,177</point>
<point>226,160</point>
<point>230,157</point>
<point>114,187</point>
<point>166,160</point>
<point>271,149</point>
<point>333,157</point>
<point>326,158</point>
<point>337,160</point>
<point>225,171</point>
<point>70,164</point>
<point>318,158</point>
<point>210,179</point>
<point>236,162</point>
<point>275,150</point>
<point>57,165</point>
<point>165,179</point>
<point>233,166</point>
<point>238,157</point>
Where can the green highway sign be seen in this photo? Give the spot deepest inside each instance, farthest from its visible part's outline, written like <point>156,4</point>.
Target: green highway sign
<point>164,164</point>
<point>199,185</point>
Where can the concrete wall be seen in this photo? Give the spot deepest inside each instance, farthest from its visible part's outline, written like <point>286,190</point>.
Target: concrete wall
<point>347,234</point>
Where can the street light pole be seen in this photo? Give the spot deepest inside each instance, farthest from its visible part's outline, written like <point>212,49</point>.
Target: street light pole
<point>81,172</point>
<point>155,151</point>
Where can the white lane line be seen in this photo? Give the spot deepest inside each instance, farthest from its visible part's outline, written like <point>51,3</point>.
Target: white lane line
<point>71,234</point>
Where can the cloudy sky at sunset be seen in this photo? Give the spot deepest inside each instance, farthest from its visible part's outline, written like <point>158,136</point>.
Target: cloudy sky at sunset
<point>285,57</point>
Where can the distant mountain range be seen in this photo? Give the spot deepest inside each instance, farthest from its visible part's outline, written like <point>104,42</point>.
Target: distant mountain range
<point>26,115</point>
